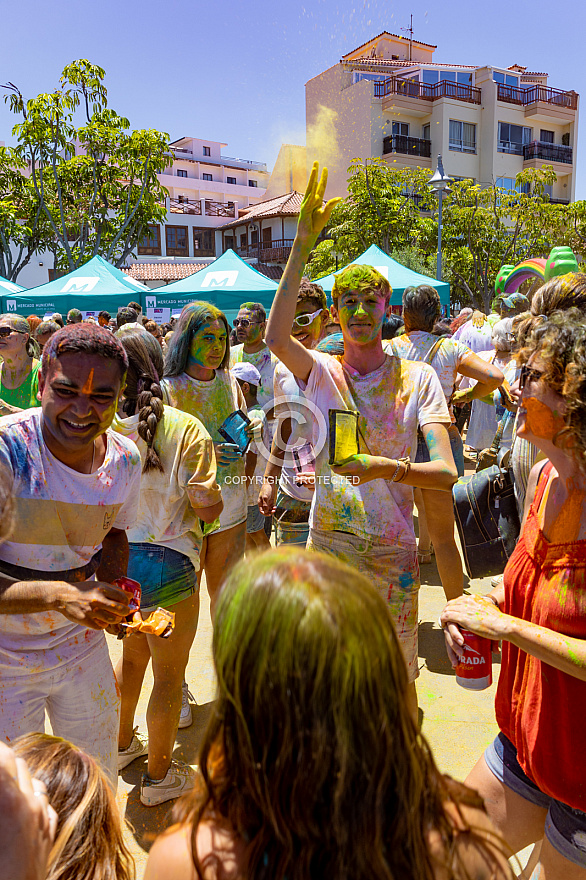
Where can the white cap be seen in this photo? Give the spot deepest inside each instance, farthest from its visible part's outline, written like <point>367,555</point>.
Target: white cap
<point>246,372</point>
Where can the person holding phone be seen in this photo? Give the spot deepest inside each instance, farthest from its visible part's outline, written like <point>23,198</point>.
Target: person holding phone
<point>362,510</point>
<point>198,381</point>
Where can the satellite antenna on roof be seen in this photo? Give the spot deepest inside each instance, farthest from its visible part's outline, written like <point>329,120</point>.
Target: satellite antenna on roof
<point>409,31</point>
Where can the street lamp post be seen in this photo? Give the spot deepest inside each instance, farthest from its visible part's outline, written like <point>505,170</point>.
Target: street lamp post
<point>439,184</point>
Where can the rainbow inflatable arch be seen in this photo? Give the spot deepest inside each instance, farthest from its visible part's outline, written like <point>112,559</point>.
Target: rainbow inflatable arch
<point>560,261</point>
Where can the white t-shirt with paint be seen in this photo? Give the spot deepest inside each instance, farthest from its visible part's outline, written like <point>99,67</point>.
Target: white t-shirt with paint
<point>212,402</point>
<point>392,401</point>
<point>61,518</point>
<point>290,402</point>
<point>166,514</point>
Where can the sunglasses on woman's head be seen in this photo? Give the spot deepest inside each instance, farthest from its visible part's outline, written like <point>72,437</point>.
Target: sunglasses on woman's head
<point>528,374</point>
<point>243,322</point>
<point>6,331</point>
<point>306,320</point>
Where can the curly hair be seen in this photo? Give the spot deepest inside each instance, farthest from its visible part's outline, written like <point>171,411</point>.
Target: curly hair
<point>360,277</point>
<point>143,391</point>
<point>560,342</point>
<point>563,292</point>
<point>310,292</point>
<point>89,844</point>
<point>311,753</point>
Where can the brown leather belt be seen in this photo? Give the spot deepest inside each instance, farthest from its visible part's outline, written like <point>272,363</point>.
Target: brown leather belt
<point>71,576</point>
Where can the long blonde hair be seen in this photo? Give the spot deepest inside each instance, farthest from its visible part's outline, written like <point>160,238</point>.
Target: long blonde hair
<point>88,843</point>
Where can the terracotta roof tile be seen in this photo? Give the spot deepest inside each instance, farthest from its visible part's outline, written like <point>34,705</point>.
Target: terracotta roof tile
<point>162,271</point>
<point>287,205</point>
<point>387,34</point>
<point>272,272</point>
<point>387,63</point>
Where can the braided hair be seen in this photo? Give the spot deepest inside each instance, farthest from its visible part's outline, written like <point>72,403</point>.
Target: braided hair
<point>143,391</point>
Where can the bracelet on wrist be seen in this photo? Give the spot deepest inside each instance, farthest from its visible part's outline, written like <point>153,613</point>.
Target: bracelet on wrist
<point>397,469</point>
<point>492,599</point>
<point>406,463</point>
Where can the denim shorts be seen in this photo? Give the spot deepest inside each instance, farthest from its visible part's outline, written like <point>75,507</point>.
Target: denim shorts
<point>457,449</point>
<point>565,827</point>
<point>166,576</point>
<point>255,519</point>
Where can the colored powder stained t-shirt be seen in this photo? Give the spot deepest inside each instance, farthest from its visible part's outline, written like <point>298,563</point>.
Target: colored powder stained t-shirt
<point>476,338</point>
<point>451,354</point>
<point>290,403</point>
<point>166,514</point>
<point>212,402</point>
<point>265,362</point>
<point>261,447</point>
<point>392,401</point>
<point>25,396</point>
<point>61,519</point>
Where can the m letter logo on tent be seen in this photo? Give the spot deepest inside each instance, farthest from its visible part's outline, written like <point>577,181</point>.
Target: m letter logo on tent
<point>221,279</point>
<point>79,285</point>
<point>151,302</point>
<point>10,305</point>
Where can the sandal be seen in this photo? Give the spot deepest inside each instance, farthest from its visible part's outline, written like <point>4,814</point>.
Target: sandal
<point>425,558</point>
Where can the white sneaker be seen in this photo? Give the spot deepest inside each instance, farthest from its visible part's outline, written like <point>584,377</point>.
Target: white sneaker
<point>185,716</point>
<point>179,779</point>
<point>138,746</point>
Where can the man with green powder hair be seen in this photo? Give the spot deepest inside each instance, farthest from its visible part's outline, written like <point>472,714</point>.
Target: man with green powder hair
<point>252,349</point>
<point>362,511</point>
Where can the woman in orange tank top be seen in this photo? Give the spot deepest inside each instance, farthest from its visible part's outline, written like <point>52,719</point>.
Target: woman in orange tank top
<point>533,777</point>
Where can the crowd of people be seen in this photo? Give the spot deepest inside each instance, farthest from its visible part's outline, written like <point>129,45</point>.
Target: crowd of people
<point>163,453</point>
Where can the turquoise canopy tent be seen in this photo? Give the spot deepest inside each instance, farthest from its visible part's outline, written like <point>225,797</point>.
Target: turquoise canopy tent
<point>226,283</point>
<point>399,277</point>
<point>8,288</point>
<point>90,288</point>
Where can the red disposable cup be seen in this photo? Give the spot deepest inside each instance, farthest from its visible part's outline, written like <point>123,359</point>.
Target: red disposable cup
<point>474,671</point>
<point>132,587</point>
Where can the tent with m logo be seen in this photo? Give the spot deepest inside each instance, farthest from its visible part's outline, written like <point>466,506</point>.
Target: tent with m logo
<point>95,286</point>
<point>226,283</point>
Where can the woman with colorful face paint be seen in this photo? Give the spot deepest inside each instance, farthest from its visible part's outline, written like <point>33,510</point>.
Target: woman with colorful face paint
<point>533,777</point>
<point>312,766</point>
<point>198,381</point>
<point>178,489</point>
<point>19,351</point>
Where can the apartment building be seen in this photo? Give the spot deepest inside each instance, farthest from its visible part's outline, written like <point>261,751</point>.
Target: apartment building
<point>389,98</point>
<point>206,189</point>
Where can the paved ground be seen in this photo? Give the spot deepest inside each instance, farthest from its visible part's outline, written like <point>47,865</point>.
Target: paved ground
<point>458,723</point>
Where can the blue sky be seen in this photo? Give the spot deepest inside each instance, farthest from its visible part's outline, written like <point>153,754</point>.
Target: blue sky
<point>235,72</point>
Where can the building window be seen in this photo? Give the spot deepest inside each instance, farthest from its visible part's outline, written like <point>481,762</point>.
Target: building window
<point>176,241</point>
<point>228,242</point>
<point>254,237</point>
<point>546,136</point>
<point>203,243</point>
<point>267,237</point>
<point>462,136</point>
<point>252,183</point>
<point>512,138</point>
<point>510,185</point>
<point>151,243</point>
<point>243,241</point>
<point>230,180</point>
<point>181,172</point>
<point>207,176</point>
<point>464,78</point>
<point>401,128</point>
<point>430,77</point>
<point>207,151</point>
<point>566,139</point>
<point>427,132</point>
<point>505,79</point>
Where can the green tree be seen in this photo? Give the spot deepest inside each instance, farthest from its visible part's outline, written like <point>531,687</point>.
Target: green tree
<point>484,228</point>
<point>383,208</point>
<point>23,227</point>
<point>95,184</point>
